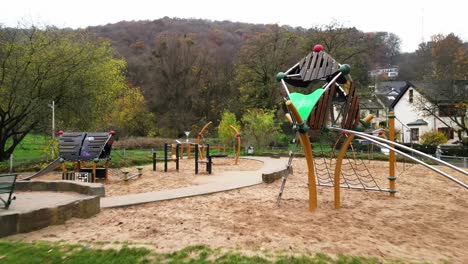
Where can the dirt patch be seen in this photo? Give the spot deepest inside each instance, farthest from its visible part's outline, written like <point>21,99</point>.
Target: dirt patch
<point>426,221</point>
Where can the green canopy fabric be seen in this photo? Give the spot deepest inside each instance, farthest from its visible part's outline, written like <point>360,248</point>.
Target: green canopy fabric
<point>305,103</point>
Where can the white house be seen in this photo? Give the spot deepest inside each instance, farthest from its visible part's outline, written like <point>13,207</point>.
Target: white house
<point>415,101</point>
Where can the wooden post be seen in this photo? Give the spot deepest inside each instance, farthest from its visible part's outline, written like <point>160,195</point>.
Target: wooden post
<point>339,161</point>
<point>93,177</point>
<point>306,146</point>
<point>107,170</point>
<point>392,159</point>
<point>140,172</point>
<point>125,173</point>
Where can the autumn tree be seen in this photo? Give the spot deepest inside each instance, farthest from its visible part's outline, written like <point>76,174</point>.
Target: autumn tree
<point>446,60</point>
<point>260,59</point>
<point>347,45</point>
<point>129,114</point>
<point>449,58</point>
<point>41,66</point>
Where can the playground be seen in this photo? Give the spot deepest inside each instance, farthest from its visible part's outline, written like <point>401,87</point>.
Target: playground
<point>426,221</point>
<point>334,203</point>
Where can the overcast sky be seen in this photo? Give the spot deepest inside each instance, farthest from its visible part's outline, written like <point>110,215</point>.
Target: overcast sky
<point>411,20</point>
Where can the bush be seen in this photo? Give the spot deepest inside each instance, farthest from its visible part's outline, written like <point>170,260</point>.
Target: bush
<point>260,127</point>
<point>461,151</point>
<point>433,138</point>
<point>428,149</point>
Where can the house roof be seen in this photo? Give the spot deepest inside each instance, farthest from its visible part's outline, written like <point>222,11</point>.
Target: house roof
<point>370,102</point>
<point>386,99</point>
<point>390,92</point>
<point>443,92</point>
<point>402,92</point>
<point>418,122</point>
<point>389,87</point>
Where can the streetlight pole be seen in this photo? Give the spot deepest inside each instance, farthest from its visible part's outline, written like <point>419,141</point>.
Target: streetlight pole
<point>53,128</point>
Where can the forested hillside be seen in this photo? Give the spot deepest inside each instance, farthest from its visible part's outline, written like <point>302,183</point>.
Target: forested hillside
<point>190,70</point>
<point>163,77</point>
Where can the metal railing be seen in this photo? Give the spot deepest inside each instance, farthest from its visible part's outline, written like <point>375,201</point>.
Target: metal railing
<point>461,162</point>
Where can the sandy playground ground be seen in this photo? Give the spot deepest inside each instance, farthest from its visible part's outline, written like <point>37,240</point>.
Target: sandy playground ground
<point>426,221</point>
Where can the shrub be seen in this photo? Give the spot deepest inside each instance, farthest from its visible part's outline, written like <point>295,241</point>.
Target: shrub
<point>225,133</point>
<point>260,127</point>
<point>433,138</point>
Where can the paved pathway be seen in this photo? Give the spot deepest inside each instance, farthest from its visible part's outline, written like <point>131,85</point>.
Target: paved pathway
<point>228,180</point>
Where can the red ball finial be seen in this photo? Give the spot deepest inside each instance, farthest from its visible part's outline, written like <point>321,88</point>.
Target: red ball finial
<point>381,132</point>
<point>60,132</point>
<point>318,48</point>
<point>112,132</point>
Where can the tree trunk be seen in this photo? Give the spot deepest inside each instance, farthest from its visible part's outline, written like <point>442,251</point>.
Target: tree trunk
<point>4,155</point>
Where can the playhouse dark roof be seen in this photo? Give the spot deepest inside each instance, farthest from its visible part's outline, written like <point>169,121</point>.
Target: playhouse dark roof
<point>85,146</point>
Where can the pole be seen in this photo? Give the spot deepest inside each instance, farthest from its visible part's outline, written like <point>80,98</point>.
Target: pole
<point>11,163</point>
<point>392,160</point>
<point>154,160</point>
<point>306,147</point>
<point>177,156</point>
<point>53,120</point>
<point>196,158</point>
<point>166,149</point>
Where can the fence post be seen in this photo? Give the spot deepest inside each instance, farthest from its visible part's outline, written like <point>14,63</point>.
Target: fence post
<point>154,159</point>
<point>196,158</point>
<point>166,149</point>
<point>465,162</point>
<point>11,163</point>
<point>391,155</point>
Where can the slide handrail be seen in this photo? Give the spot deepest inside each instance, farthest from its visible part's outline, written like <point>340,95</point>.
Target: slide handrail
<point>371,139</point>
<point>403,147</point>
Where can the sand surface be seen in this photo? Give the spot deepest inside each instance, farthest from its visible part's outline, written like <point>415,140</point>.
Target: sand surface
<point>158,180</point>
<point>426,221</point>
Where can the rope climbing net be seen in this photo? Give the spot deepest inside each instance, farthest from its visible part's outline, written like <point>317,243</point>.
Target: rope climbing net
<point>354,173</point>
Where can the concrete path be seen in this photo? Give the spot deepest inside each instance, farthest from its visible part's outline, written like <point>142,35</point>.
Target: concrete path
<point>228,180</point>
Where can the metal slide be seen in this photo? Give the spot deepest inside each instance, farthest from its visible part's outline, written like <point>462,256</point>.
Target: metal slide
<point>379,141</point>
<point>45,170</point>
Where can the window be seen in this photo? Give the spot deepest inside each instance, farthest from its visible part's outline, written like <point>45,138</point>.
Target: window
<point>415,134</point>
<point>448,131</point>
<point>411,96</point>
<point>447,111</point>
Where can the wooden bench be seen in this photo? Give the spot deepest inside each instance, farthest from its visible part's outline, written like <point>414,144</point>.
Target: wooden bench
<point>7,186</point>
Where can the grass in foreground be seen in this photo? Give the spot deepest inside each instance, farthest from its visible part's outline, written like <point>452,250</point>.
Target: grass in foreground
<point>45,252</point>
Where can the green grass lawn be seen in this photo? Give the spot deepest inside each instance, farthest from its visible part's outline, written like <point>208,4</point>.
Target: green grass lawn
<point>46,252</point>
<point>31,153</point>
